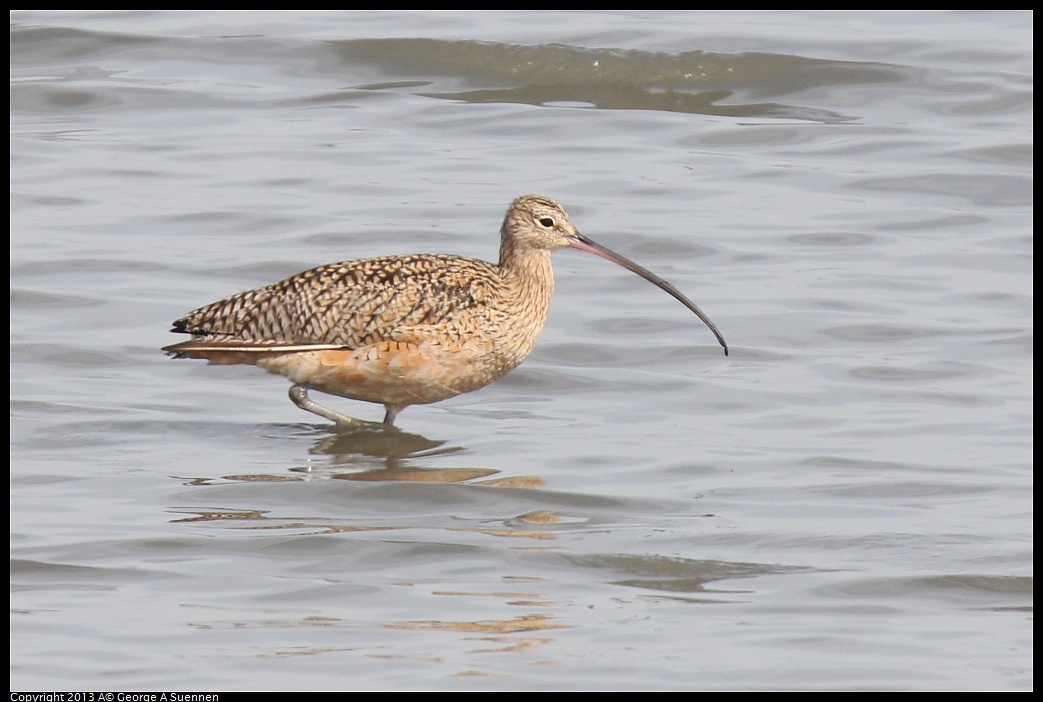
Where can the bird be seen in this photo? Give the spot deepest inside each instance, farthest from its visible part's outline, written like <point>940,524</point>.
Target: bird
<point>402,330</point>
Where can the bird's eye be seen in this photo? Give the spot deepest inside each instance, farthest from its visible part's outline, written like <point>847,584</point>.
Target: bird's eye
<point>546,222</point>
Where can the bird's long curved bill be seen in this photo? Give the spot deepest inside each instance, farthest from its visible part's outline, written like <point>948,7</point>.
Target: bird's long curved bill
<point>584,244</point>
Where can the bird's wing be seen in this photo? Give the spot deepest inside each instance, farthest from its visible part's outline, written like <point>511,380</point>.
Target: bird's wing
<point>344,305</point>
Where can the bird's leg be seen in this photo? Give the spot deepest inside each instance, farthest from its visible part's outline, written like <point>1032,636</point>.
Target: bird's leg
<point>391,413</point>
<point>299,395</point>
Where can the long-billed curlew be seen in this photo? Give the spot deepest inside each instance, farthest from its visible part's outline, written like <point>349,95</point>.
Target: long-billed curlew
<point>402,330</point>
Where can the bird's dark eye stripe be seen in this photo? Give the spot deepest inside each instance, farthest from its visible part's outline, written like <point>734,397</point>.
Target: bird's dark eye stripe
<point>547,222</point>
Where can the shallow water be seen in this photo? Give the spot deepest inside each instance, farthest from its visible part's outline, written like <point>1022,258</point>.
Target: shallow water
<point>844,502</point>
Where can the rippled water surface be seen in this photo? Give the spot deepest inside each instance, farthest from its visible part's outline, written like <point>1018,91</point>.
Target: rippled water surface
<point>844,502</point>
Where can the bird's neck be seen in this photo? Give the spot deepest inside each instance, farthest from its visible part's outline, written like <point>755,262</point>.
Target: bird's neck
<point>527,272</point>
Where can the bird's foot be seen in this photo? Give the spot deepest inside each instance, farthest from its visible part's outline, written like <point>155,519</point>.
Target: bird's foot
<point>299,395</point>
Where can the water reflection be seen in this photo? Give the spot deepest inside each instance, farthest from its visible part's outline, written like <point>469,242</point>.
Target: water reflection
<point>375,454</point>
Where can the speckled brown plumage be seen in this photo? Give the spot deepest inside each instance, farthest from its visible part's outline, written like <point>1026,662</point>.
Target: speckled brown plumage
<point>400,330</point>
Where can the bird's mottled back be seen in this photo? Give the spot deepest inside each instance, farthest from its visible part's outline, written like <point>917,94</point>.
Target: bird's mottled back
<point>352,303</point>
